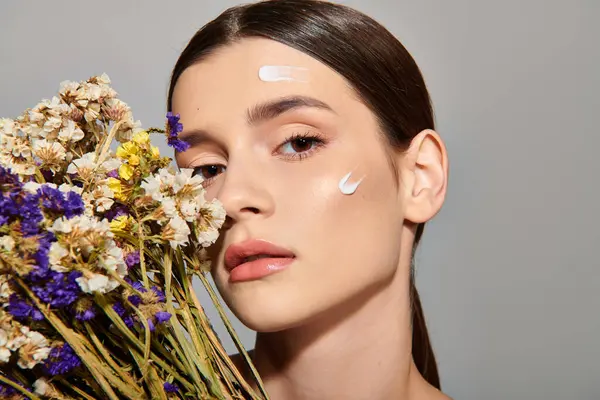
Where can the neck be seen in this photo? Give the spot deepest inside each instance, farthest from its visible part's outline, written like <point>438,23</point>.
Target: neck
<point>359,351</point>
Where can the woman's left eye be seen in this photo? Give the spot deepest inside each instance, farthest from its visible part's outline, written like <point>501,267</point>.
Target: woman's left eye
<point>299,146</point>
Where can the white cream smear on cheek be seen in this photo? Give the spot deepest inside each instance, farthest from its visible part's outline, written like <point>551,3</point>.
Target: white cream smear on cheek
<point>348,188</point>
<point>280,73</point>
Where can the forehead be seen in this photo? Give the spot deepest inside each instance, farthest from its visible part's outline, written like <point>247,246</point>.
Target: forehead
<point>228,80</point>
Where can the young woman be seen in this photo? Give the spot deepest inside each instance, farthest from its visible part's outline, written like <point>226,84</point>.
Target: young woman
<point>312,125</point>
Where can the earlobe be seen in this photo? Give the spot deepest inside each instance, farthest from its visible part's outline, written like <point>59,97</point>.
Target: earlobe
<point>428,169</point>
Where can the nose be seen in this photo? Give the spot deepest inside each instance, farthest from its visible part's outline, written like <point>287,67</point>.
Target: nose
<point>245,193</point>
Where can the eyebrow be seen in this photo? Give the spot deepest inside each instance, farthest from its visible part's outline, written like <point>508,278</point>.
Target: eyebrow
<point>260,113</point>
<point>272,109</point>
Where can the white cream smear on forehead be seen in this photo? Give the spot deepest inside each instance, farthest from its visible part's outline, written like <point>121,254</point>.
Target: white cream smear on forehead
<point>282,73</point>
<point>346,187</point>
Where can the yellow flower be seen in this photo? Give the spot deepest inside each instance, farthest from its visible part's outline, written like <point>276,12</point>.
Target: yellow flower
<point>126,171</point>
<point>133,160</point>
<point>119,223</point>
<point>115,185</point>
<point>127,149</point>
<point>141,137</point>
<point>155,152</point>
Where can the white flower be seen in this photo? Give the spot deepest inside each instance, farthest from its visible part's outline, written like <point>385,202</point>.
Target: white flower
<point>4,351</point>
<point>32,187</point>
<point>52,124</point>
<point>7,126</point>
<point>65,188</point>
<point>168,207</point>
<point>185,180</point>
<point>34,351</point>
<point>112,259</point>
<point>97,283</point>
<point>41,386</point>
<point>61,225</point>
<point>151,186</point>
<point>84,165</point>
<point>68,88</point>
<point>177,232</point>
<point>56,254</point>
<point>5,290</point>
<point>50,153</point>
<point>17,337</point>
<point>111,164</point>
<point>103,197</point>
<point>190,207</point>
<point>7,243</point>
<point>70,132</point>
<point>211,218</point>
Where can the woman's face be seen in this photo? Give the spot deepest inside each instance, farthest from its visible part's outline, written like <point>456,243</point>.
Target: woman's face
<point>273,153</point>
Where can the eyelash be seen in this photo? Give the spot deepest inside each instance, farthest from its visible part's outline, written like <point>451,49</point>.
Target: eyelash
<point>317,139</point>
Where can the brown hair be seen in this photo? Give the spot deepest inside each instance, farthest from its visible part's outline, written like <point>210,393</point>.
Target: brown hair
<point>372,60</point>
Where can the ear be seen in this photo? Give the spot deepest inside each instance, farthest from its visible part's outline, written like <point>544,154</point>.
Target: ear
<point>425,176</point>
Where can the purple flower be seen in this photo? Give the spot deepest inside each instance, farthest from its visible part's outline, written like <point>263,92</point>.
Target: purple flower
<point>113,174</point>
<point>21,309</point>
<point>151,325</point>
<point>132,259</point>
<point>173,123</point>
<point>116,211</point>
<point>174,127</point>
<point>31,215</point>
<point>122,312</point>
<point>9,181</point>
<point>60,290</point>
<point>162,316</point>
<point>170,388</point>
<point>62,360</point>
<point>134,299</point>
<point>179,145</point>
<point>41,270</point>
<point>74,205</point>
<point>86,315</point>
<point>159,293</point>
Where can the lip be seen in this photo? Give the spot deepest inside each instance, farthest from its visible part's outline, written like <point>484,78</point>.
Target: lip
<point>241,269</point>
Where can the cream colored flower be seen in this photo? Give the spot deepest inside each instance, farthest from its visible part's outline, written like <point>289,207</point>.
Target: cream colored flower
<point>96,283</point>
<point>7,243</point>
<point>189,209</point>
<point>176,232</point>
<point>185,184</point>
<point>51,154</point>
<point>102,197</point>
<point>65,188</point>
<point>211,217</point>
<point>7,126</point>
<point>70,132</point>
<point>34,351</point>
<point>84,166</point>
<point>5,290</point>
<point>56,254</point>
<point>112,259</point>
<point>41,386</point>
<point>4,351</point>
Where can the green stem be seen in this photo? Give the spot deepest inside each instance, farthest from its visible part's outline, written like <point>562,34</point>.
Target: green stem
<point>235,337</point>
<point>18,387</point>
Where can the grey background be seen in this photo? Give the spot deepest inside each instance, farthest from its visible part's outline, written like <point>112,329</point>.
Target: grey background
<point>509,270</point>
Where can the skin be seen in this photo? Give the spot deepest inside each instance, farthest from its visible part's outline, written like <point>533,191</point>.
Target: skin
<point>336,323</point>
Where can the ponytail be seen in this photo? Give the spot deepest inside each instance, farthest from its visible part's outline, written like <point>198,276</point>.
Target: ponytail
<point>422,351</point>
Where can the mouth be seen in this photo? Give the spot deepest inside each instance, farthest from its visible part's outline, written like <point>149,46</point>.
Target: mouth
<point>251,250</point>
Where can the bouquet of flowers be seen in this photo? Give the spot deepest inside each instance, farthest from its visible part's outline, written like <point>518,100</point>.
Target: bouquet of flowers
<point>98,249</point>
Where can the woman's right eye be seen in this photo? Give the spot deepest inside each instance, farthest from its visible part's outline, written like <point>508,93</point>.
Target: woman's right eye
<point>208,172</point>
